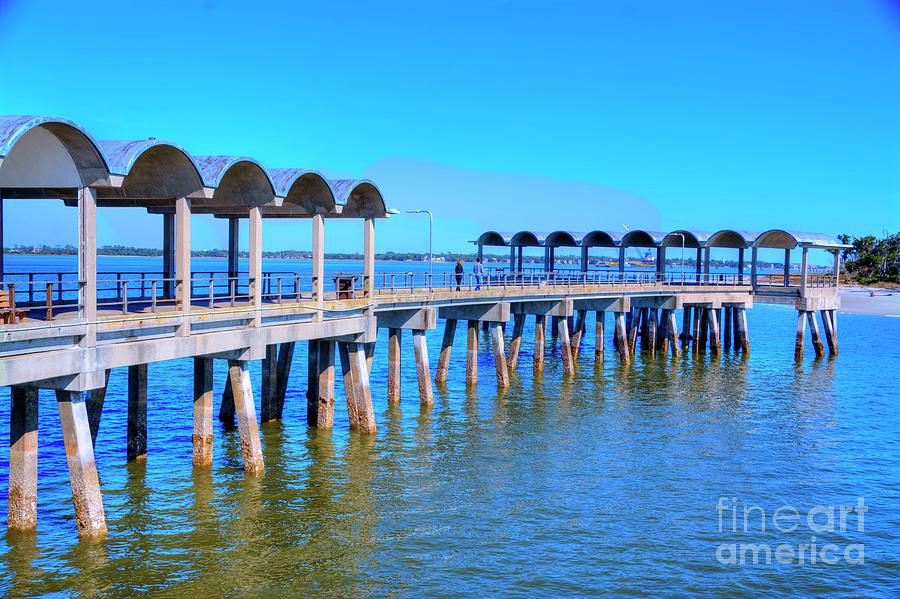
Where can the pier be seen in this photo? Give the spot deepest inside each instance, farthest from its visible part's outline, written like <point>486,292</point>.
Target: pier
<point>64,332</point>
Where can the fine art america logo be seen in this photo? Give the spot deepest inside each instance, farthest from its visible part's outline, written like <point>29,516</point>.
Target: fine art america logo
<point>817,527</point>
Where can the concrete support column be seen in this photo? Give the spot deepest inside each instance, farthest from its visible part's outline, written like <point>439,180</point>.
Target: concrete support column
<point>234,232</point>
<point>519,252</point>
<point>472,352</point>
<point>552,258</point>
<point>714,339</point>
<point>349,387</point>
<point>365,413</point>
<point>202,437</point>
<point>804,268</point>
<point>830,333</point>
<point>369,260</point>
<point>740,271</point>
<point>706,260</point>
<point>137,412</point>
<point>801,334</point>
<point>565,347</point>
<point>787,267</point>
<point>325,384</point>
<point>672,331</point>
<point>395,337</point>
<point>685,327</point>
<point>515,342</point>
<point>285,359</point>
<point>267,403</point>
<point>540,324</point>
<point>704,328</point>
<point>86,495</point>
<point>745,333</point>
<point>599,336</point>
<point>312,383</point>
<point>633,326</point>
<point>183,262</point>
<point>226,408</point>
<point>696,325</point>
<point>423,370</point>
<point>753,266</point>
<point>499,355</point>
<point>87,264</point>
<point>256,276</point>
<point>242,390</point>
<point>662,332</point>
<point>318,262</point>
<point>726,327</point>
<point>480,252</point>
<point>23,458</point>
<point>836,269</point>
<point>699,262</point>
<point>622,338</point>
<point>578,333</point>
<point>93,402</point>
<point>652,323</point>
<point>661,261</point>
<point>584,259</point>
<point>622,259</point>
<point>168,254</point>
<point>814,334</point>
<point>512,259</point>
<point>446,350</point>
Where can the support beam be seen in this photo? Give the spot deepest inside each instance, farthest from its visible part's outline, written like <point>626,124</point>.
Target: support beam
<point>599,336</point>
<point>395,338</point>
<point>255,274</point>
<point>86,496</point>
<point>369,260</point>
<point>443,366</point>
<point>672,331</point>
<point>267,405</point>
<point>93,401</point>
<point>740,271</point>
<point>814,334</point>
<point>349,386</point>
<point>787,267</point>
<point>365,413</point>
<point>704,328</point>
<point>830,332</point>
<point>745,333</point>
<point>312,383</point>
<point>753,266</point>
<point>633,329</point>
<point>622,339</point>
<point>242,390</point>
<point>622,259</point>
<point>285,359</point>
<point>695,328</point>
<point>472,352</point>
<point>87,266</point>
<point>23,458</point>
<point>233,245</point>
<point>699,262</point>
<point>578,333</point>
<point>540,324</point>
<point>686,320</point>
<point>183,263</point>
<point>726,326</point>
<point>318,262</point>
<point>137,412</point>
<point>804,268</point>
<point>652,322</point>
<point>499,355</point>
<point>325,384</point>
<point>565,347</point>
<point>423,370</point>
<point>515,342</point>
<point>714,339</point>
<point>168,254</point>
<point>801,334</point>
<point>202,437</point>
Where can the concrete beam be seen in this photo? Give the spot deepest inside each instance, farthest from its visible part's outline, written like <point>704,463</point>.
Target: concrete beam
<point>558,308</point>
<point>493,312</point>
<point>422,319</point>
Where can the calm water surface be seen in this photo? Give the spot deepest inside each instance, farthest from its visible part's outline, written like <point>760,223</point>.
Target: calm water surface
<point>607,483</point>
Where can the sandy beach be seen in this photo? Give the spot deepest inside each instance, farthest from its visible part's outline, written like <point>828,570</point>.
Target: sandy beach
<point>870,300</point>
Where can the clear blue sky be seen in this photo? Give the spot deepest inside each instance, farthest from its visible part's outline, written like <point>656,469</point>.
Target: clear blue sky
<point>495,114</point>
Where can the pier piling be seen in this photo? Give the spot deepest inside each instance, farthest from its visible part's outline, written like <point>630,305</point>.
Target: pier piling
<point>86,496</point>
<point>599,336</point>
<point>23,458</point>
<point>267,403</point>
<point>395,338</point>
<point>621,339</point>
<point>565,347</point>
<point>540,323</point>
<point>226,408</point>
<point>325,385</point>
<point>365,413</point>
<point>499,355</point>
<point>830,337</point>
<point>726,327</point>
<point>443,367</point>
<point>578,333</point>
<point>472,353</point>
<point>512,359</point>
<point>285,359</point>
<point>202,438</point>
<point>137,412</point>
<point>801,333</point>
<point>423,370</point>
<point>714,339</point>
<point>672,331</point>
<point>242,391</point>
<point>93,402</point>
<point>814,334</point>
<point>312,383</point>
<point>349,386</point>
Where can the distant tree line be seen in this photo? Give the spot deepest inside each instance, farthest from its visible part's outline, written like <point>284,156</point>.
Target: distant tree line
<point>871,259</point>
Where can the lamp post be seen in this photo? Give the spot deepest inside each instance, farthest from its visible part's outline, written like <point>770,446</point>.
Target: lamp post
<point>430,240</point>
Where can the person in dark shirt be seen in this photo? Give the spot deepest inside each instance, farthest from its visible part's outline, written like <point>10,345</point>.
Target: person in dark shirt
<point>459,273</point>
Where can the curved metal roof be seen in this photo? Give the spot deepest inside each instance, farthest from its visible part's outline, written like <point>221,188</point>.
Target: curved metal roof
<point>304,187</point>
<point>494,238</point>
<point>359,197</point>
<point>528,239</point>
<point>598,238</point>
<point>213,169</point>
<point>783,238</point>
<point>122,154</point>
<point>730,238</point>
<point>641,238</point>
<point>563,239</point>
<point>693,238</point>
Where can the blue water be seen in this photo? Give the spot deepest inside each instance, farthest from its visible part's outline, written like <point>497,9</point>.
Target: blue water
<point>605,483</point>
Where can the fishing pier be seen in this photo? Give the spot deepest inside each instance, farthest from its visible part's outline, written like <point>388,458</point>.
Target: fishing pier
<point>64,332</point>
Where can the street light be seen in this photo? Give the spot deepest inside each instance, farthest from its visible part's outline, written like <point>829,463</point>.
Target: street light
<point>430,239</point>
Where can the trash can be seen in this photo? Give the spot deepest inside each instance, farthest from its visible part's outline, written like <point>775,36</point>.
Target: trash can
<point>345,285</point>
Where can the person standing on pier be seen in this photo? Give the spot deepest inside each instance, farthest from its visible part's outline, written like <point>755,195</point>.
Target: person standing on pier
<point>459,273</point>
<point>478,271</point>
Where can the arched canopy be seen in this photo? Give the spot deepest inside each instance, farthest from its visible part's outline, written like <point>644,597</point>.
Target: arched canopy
<point>607,239</point>
<point>691,239</point>
<point>563,239</point>
<point>358,198</point>
<point>728,238</point>
<point>528,239</point>
<point>149,170</point>
<point>46,153</point>
<point>642,239</point>
<point>780,238</point>
<point>238,183</point>
<point>305,192</point>
<point>494,238</point>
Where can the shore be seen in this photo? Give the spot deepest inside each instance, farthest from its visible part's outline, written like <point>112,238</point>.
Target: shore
<point>870,300</point>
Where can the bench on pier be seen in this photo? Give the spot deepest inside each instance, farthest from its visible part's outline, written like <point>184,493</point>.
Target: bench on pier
<point>8,308</point>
